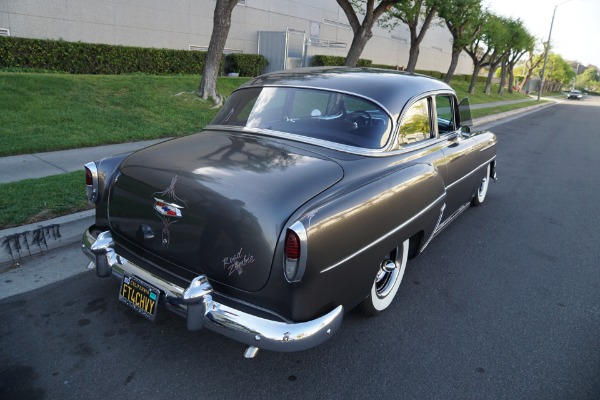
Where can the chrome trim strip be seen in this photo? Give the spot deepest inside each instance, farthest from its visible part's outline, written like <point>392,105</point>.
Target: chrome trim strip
<point>305,139</point>
<point>382,152</point>
<point>471,173</point>
<point>300,230</point>
<point>487,147</point>
<point>448,221</point>
<point>386,235</point>
<point>196,303</point>
<point>434,229</point>
<point>92,191</point>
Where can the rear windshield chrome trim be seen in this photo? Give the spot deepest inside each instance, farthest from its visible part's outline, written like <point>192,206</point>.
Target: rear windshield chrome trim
<point>305,139</point>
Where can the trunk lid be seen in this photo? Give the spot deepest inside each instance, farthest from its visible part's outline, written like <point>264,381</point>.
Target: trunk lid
<point>215,203</point>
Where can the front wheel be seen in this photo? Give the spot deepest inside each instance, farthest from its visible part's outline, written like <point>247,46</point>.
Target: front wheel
<point>387,281</point>
<point>483,188</point>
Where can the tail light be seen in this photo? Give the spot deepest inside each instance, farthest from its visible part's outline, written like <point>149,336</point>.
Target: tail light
<point>91,181</point>
<point>295,250</point>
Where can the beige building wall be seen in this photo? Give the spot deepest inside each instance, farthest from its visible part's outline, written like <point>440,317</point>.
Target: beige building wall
<point>179,24</point>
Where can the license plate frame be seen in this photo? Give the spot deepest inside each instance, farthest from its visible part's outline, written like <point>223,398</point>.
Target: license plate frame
<point>140,296</point>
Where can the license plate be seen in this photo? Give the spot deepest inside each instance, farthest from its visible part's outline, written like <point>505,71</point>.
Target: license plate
<point>140,296</point>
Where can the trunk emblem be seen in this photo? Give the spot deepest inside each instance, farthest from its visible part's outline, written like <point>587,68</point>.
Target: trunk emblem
<point>167,210</point>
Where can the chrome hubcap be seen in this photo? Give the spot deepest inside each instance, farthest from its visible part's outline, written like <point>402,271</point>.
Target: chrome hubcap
<point>386,276</point>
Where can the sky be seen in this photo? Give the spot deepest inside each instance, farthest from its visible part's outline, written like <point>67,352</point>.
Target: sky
<point>576,29</point>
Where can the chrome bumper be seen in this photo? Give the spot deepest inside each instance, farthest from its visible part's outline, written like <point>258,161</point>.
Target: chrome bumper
<point>201,311</point>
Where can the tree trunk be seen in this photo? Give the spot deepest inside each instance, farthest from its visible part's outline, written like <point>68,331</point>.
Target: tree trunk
<point>362,31</point>
<point>453,64</point>
<point>476,69</point>
<point>490,77</point>
<point>511,79</point>
<point>413,54</point>
<point>502,78</point>
<point>358,45</point>
<point>210,72</point>
<point>525,81</point>
<point>416,39</point>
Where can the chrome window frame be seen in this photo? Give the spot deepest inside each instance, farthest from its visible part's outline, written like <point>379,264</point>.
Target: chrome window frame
<point>385,151</point>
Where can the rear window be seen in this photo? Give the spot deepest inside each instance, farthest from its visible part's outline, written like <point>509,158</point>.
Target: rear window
<point>319,114</point>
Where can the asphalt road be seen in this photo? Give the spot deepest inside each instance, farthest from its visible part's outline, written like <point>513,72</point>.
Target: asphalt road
<point>504,304</point>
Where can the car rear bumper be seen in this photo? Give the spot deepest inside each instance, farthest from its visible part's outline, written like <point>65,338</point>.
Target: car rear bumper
<point>197,305</point>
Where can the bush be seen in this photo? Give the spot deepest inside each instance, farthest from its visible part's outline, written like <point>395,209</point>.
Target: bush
<point>245,64</point>
<point>89,58</point>
<point>326,61</point>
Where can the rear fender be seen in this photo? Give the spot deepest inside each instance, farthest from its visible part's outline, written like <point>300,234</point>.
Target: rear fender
<point>351,232</point>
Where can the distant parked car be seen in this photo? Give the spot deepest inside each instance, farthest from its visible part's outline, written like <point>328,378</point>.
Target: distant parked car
<point>302,199</point>
<point>575,94</point>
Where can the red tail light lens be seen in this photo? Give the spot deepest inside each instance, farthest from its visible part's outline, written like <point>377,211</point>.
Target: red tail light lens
<point>89,180</point>
<point>292,245</point>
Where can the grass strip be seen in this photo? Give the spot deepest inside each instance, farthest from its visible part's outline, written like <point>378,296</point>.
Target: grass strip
<point>484,112</point>
<point>34,200</point>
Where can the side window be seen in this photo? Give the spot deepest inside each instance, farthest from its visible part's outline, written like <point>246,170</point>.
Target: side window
<point>415,125</point>
<point>445,114</point>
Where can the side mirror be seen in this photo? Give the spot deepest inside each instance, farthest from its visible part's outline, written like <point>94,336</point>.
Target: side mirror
<point>465,129</point>
<point>464,112</point>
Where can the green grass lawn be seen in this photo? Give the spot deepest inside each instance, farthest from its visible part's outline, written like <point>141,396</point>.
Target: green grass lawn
<point>46,112</point>
<point>479,97</point>
<point>33,200</point>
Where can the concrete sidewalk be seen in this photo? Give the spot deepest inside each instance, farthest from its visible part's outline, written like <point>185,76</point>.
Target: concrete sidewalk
<point>39,165</point>
<point>20,243</point>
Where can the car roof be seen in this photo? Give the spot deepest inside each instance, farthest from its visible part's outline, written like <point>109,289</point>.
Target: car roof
<point>392,89</point>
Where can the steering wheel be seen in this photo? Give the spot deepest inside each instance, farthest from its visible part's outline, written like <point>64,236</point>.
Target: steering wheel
<point>361,118</point>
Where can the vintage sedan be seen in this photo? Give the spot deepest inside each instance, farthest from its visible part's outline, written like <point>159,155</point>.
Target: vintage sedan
<point>303,199</point>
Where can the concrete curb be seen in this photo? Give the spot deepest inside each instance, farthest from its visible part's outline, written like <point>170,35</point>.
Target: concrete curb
<point>495,117</point>
<point>20,243</point>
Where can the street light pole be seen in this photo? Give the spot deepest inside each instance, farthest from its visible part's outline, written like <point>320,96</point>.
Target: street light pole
<point>548,50</point>
<point>546,55</point>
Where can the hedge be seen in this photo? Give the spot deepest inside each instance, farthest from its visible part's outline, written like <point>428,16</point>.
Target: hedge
<point>89,58</point>
<point>245,64</point>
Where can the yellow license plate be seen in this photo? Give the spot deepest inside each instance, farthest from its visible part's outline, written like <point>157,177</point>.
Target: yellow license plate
<point>140,296</point>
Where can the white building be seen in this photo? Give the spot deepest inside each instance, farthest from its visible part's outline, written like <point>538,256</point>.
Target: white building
<point>312,27</point>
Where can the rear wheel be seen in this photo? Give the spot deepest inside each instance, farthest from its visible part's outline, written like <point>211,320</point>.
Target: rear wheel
<point>387,281</point>
<point>483,188</point>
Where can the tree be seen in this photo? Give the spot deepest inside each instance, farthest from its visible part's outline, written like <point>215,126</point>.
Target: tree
<point>412,13</point>
<point>558,73</point>
<point>498,39</point>
<point>588,78</point>
<point>462,17</point>
<point>362,31</point>
<point>210,71</point>
<point>480,48</point>
<point>521,41</point>
<point>533,61</point>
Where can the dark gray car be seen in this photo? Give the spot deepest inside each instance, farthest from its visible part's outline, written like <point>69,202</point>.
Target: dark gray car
<point>303,199</point>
